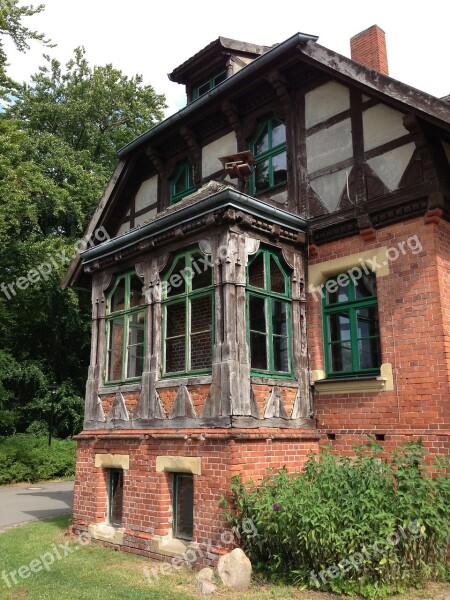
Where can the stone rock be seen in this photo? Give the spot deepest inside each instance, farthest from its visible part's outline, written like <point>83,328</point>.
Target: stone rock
<point>206,574</point>
<point>235,570</point>
<point>206,587</point>
<point>205,583</point>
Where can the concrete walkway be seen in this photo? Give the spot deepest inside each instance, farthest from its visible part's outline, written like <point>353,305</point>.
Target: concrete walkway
<point>30,502</point>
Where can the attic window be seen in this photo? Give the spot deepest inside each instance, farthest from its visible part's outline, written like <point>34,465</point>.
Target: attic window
<point>269,149</point>
<point>208,85</point>
<point>182,183</point>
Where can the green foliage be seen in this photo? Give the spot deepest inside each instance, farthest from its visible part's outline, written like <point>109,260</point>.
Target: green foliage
<point>388,518</point>
<point>59,138</point>
<point>30,458</point>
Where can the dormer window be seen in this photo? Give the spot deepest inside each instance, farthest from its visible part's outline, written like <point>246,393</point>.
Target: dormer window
<point>182,183</point>
<point>208,85</point>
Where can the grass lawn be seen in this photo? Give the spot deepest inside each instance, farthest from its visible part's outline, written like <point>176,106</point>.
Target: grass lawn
<point>92,572</point>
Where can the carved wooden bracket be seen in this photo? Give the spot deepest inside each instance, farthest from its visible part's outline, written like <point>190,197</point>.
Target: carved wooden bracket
<point>188,136</point>
<point>279,84</point>
<point>156,161</point>
<point>233,118</point>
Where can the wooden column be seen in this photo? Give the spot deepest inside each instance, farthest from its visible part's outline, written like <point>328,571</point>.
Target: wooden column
<point>149,406</point>
<point>93,411</point>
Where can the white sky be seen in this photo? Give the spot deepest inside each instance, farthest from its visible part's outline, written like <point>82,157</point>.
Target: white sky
<point>152,38</point>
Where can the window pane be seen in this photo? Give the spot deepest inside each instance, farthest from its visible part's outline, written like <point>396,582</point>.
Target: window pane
<point>258,351</point>
<point>367,320</point>
<point>366,286</point>
<point>369,353</point>
<point>257,314</point>
<point>179,183</point>
<point>279,168</point>
<point>278,133</point>
<point>201,333</point>
<point>279,318</point>
<point>256,272</point>
<point>340,295</point>
<point>262,176</point>
<point>201,271</point>
<point>176,319</point>
<point>262,142</point>
<point>341,357</point>
<point>175,338</point>
<point>176,282</point>
<point>280,354</point>
<point>204,89</point>
<point>183,506</point>
<point>115,349</point>
<point>115,496</point>
<point>118,297</point>
<point>339,327</point>
<point>277,279</point>
<point>219,78</point>
<point>136,292</point>
<point>135,364</point>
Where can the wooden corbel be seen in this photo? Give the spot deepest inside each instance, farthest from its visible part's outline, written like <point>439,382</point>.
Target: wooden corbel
<point>156,161</point>
<point>231,114</point>
<point>279,84</point>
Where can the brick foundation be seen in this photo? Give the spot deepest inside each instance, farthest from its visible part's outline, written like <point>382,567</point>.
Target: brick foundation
<point>147,501</point>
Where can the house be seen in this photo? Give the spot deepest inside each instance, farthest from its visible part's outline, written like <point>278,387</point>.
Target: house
<point>277,277</point>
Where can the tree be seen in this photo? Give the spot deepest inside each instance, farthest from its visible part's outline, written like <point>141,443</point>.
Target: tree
<point>58,145</point>
<point>11,26</point>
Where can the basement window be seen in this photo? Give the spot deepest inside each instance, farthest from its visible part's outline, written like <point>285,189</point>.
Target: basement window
<point>115,496</point>
<point>183,505</point>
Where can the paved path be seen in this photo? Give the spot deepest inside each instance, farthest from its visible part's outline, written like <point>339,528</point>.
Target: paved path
<point>29,502</point>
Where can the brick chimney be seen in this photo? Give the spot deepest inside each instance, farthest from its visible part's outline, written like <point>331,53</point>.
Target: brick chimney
<point>369,49</point>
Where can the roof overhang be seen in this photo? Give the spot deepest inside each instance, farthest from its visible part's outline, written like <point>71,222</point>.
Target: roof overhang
<point>227,198</point>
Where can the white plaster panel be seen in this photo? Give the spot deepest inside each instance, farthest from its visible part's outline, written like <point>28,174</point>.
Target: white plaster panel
<point>325,101</point>
<point>211,152</point>
<point>124,228</point>
<point>329,188</point>
<point>147,193</point>
<point>381,124</point>
<point>145,217</point>
<point>329,146</point>
<point>389,167</point>
<point>281,197</point>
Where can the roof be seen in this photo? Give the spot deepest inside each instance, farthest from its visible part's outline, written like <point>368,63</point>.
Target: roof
<point>182,73</point>
<point>386,88</point>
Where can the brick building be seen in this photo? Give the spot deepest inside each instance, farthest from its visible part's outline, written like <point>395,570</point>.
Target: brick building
<point>277,276</point>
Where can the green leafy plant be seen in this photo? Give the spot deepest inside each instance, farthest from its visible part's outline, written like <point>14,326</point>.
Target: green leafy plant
<point>363,524</point>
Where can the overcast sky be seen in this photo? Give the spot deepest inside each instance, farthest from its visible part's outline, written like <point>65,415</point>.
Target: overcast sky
<point>154,37</point>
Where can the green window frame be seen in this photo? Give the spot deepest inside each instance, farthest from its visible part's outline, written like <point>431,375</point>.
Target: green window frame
<point>182,183</point>
<point>188,315</point>
<point>115,496</point>
<point>125,330</point>
<point>183,505</point>
<point>269,315</point>
<point>350,326</point>
<point>269,150</point>
<point>208,84</point>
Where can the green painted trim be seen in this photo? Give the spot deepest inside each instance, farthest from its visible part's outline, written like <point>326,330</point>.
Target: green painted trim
<point>350,306</point>
<point>268,155</point>
<point>269,297</point>
<point>124,314</point>
<point>185,298</point>
<point>212,82</point>
<point>183,171</point>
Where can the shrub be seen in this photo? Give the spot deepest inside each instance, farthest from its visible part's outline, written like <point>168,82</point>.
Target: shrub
<point>25,457</point>
<point>356,525</point>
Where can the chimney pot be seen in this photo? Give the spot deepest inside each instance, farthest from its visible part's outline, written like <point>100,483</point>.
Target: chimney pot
<point>369,49</point>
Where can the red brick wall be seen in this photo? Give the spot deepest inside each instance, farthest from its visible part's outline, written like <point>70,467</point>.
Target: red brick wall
<point>414,326</point>
<point>147,494</point>
<point>369,49</point>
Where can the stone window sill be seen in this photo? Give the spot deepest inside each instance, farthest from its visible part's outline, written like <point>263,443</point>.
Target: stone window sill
<point>377,383</point>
